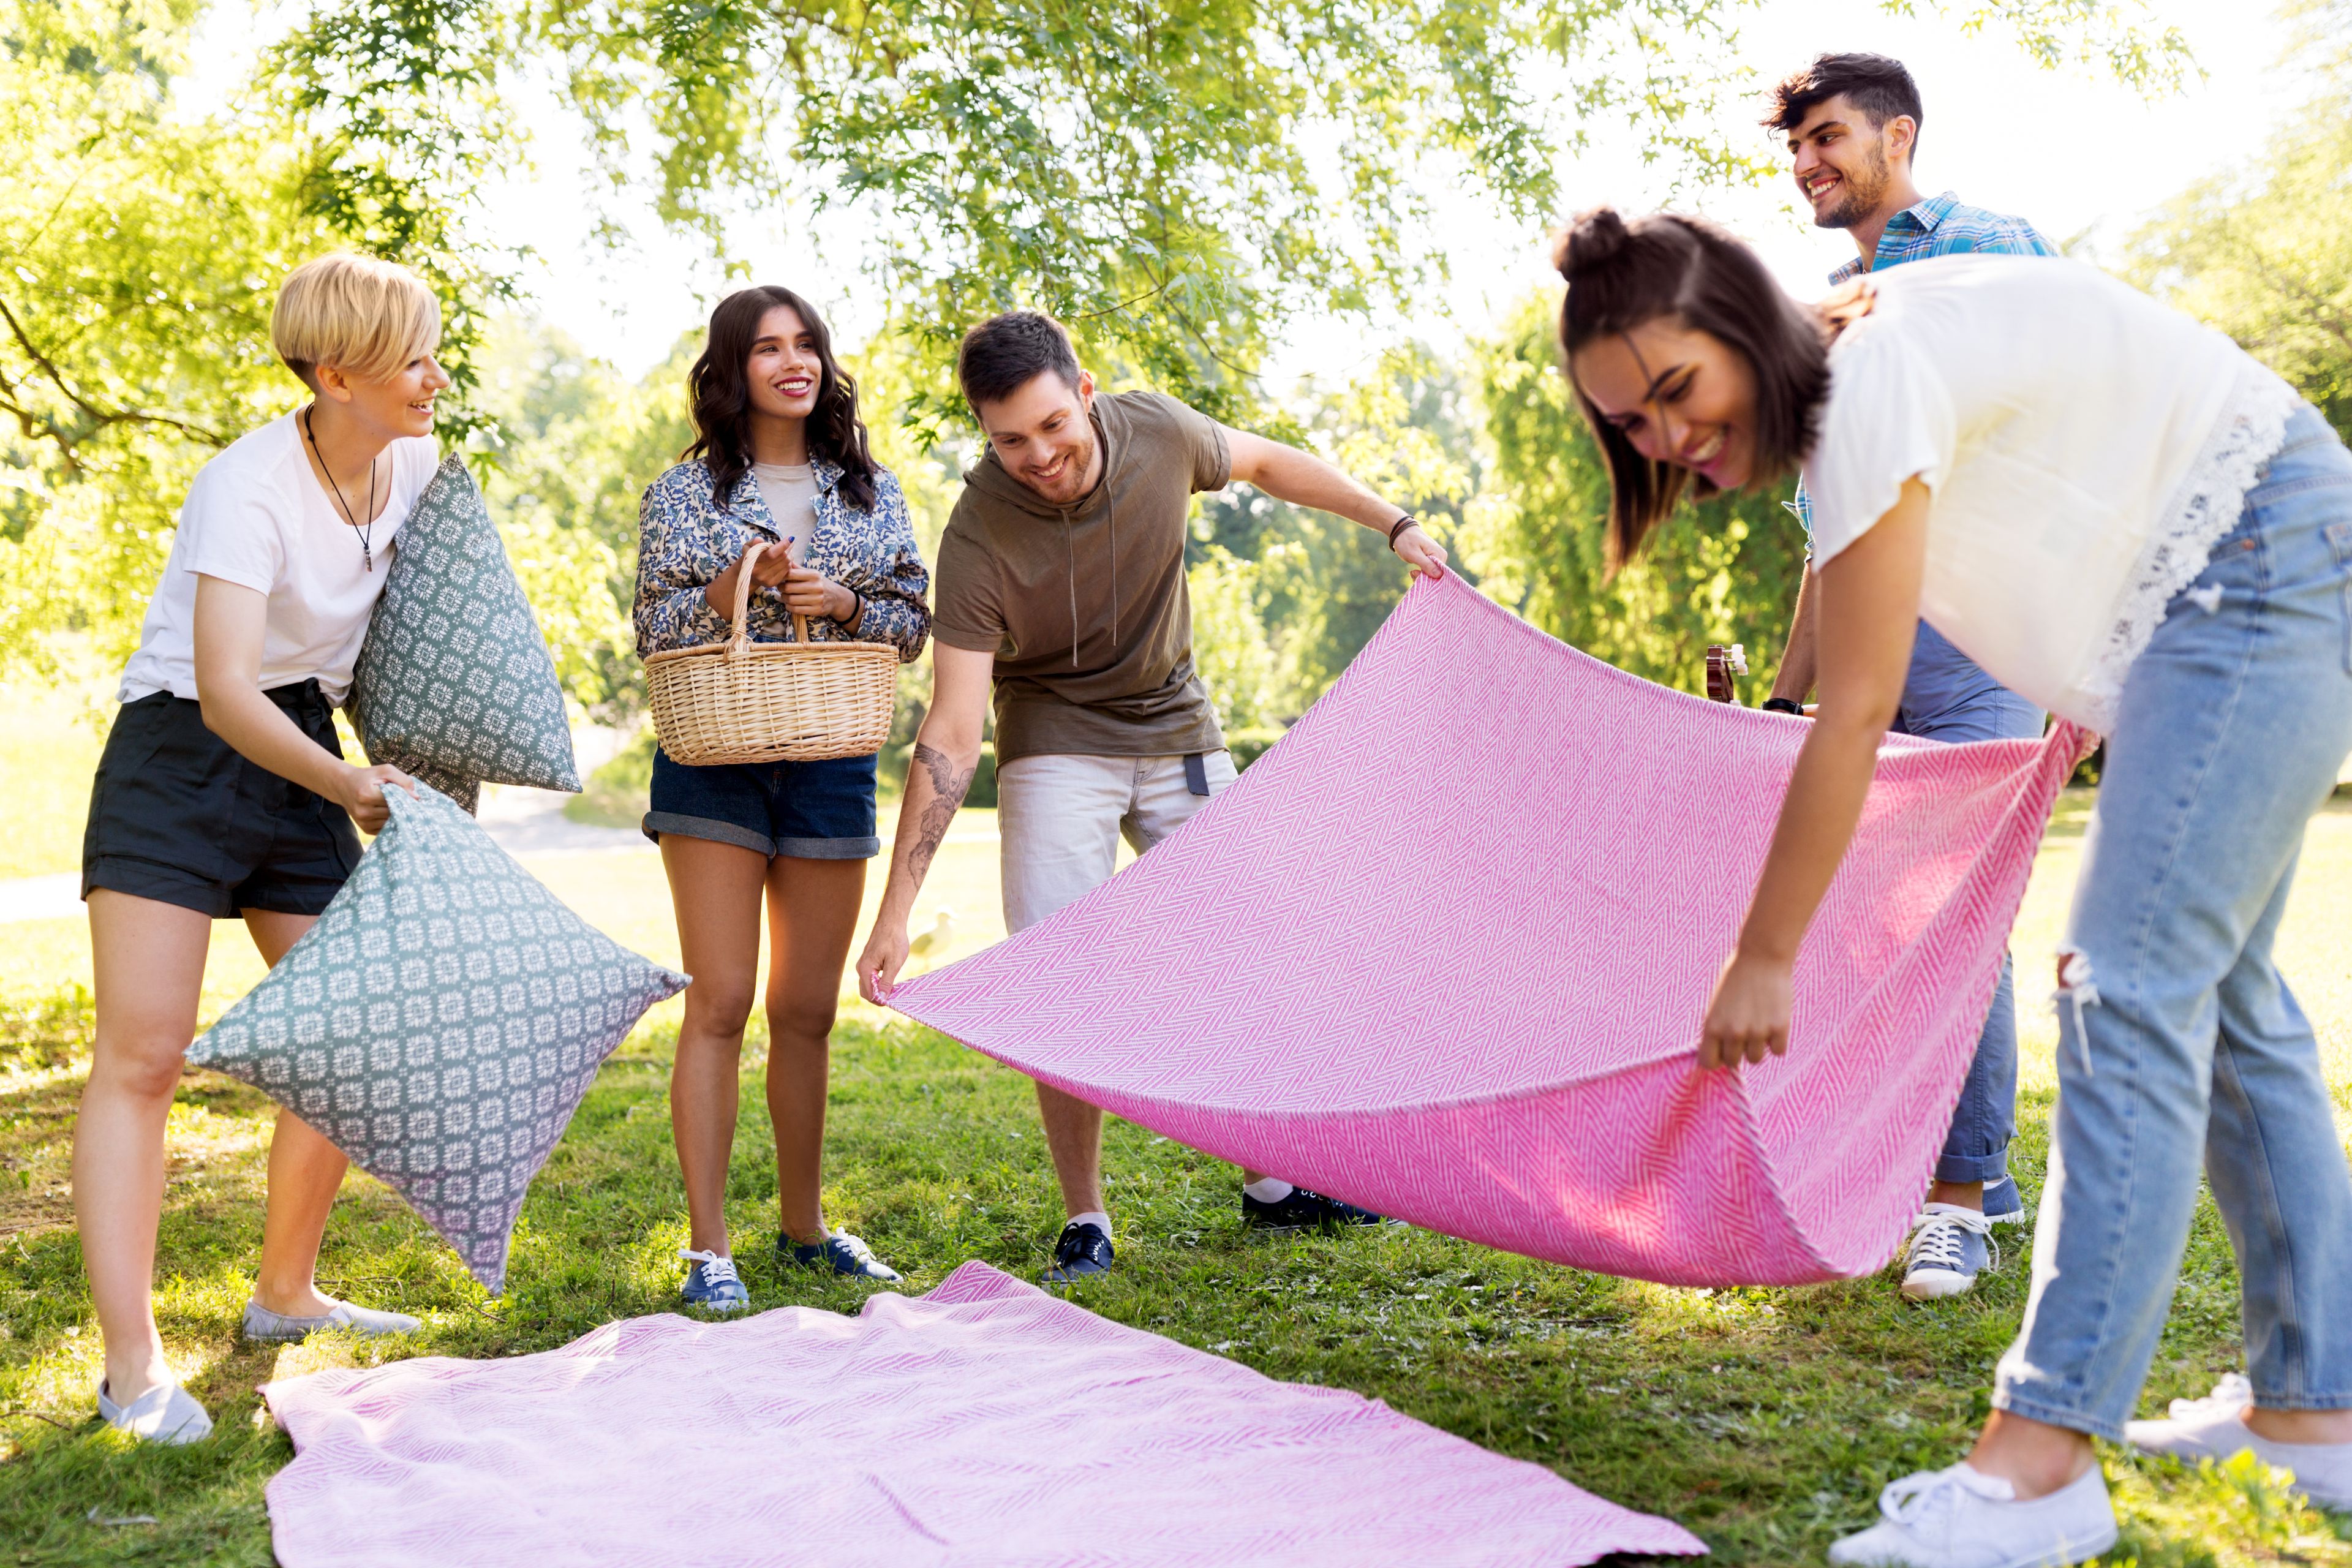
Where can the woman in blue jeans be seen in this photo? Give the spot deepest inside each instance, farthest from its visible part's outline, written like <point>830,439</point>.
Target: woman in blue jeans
<point>778,460</point>
<point>2122,516</point>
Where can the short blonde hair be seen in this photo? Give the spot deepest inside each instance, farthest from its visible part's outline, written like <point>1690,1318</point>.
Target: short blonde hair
<point>364,316</point>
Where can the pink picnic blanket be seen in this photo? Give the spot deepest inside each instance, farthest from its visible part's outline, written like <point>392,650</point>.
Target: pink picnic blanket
<point>1445,951</point>
<point>985,1423</point>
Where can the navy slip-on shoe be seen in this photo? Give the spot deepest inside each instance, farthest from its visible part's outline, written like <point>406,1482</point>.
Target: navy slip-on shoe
<point>1303,1210</point>
<point>1083,1249</point>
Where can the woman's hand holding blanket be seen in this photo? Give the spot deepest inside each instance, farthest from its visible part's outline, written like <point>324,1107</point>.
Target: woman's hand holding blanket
<point>1749,1015</point>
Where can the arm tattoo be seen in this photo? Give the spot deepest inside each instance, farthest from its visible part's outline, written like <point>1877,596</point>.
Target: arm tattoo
<point>948,787</point>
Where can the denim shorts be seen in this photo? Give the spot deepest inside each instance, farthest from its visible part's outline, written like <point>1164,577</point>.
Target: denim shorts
<point>177,814</point>
<point>808,811</point>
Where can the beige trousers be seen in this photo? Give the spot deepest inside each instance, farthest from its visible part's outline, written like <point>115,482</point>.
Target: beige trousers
<point>1060,818</point>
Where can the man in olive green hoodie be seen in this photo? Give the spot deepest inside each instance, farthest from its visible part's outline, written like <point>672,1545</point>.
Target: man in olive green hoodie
<point>1061,578</point>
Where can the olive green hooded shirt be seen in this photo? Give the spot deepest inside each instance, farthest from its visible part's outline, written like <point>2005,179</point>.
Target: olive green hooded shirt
<point>1084,606</point>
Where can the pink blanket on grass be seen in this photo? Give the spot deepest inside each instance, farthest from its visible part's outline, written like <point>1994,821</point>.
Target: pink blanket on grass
<point>1446,949</point>
<point>985,1423</point>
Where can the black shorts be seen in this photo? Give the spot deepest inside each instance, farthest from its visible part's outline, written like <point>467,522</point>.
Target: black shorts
<point>178,815</point>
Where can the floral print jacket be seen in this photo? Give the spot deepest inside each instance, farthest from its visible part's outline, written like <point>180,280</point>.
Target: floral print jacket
<point>685,540</point>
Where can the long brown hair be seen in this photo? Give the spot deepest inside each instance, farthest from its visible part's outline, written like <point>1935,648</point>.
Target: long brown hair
<point>1620,276</point>
<point>721,398</point>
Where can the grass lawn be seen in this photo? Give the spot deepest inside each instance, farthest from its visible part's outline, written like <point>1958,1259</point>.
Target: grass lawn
<point>50,735</point>
<point>1765,1420</point>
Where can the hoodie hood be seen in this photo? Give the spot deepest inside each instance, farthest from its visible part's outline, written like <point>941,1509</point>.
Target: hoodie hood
<point>1098,509</point>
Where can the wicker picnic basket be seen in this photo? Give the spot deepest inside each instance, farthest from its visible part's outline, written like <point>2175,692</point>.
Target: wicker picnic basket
<point>798,702</point>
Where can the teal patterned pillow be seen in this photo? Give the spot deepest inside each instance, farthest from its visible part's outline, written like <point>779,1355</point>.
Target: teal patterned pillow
<point>440,1024</point>
<point>454,684</point>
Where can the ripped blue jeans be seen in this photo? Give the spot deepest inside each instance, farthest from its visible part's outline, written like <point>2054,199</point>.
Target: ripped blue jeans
<point>2177,1035</point>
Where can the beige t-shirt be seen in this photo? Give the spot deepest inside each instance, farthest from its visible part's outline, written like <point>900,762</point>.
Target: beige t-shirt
<point>790,490</point>
<point>1084,606</point>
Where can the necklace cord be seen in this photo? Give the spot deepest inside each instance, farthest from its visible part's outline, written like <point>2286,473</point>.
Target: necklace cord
<point>366,531</point>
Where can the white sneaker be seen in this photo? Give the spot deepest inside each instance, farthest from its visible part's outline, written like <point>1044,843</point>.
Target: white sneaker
<point>2214,1427</point>
<point>1960,1517</point>
<point>1950,1249</point>
<point>164,1413</point>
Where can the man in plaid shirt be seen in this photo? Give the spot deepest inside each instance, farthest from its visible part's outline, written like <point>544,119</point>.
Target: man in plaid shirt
<point>1852,123</point>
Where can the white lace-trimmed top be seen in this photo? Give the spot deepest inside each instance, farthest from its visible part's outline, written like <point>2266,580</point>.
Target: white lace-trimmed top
<point>2086,447</point>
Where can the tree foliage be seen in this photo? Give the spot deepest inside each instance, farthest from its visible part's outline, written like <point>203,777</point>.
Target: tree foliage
<point>2265,252</point>
<point>1176,179</point>
<point>1179,180</point>
<point>1320,584</point>
<point>140,250</point>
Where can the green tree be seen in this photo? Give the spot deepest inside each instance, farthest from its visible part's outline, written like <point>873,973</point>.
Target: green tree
<point>1723,571</point>
<point>2265,252</point>
<point>140,250</point>
<point>1229,642</point>
<point>1176,180</point>
<point>1324,585</point>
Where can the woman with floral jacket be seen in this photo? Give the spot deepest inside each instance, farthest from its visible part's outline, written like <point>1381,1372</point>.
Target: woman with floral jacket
<point>780,459</point>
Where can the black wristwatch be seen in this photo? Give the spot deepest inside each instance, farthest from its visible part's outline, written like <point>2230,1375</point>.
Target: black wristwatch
<point>1782,705</point>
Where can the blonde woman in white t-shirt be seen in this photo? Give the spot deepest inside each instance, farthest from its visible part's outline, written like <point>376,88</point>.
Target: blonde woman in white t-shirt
<point>223,793</point>
<point>2122,517</point>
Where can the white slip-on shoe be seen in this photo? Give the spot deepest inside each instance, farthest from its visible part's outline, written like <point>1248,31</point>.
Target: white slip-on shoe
<point>1961,1517</point>
<point>267,1327</point>
<point>2214,1427</point>
<point>164,1413</point>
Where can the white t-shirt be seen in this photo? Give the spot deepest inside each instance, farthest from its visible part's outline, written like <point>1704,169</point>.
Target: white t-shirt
<point>257,517</point>
<point>2086,447</point>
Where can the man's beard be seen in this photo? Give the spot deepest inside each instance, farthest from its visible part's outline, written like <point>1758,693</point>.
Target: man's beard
<point>1864,188</point>
<point>1073,476</point>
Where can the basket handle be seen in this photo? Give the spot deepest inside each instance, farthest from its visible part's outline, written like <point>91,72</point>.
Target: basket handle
<point>741,641</point>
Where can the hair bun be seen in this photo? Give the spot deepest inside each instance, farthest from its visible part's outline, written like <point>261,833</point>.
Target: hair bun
<point>1595,239</point>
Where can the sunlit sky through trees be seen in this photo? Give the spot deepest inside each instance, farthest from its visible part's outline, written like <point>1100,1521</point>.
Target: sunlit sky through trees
<point>2070,148</point>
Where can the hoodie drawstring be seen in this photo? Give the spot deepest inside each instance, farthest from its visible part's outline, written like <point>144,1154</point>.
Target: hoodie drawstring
<point>1070,553</point>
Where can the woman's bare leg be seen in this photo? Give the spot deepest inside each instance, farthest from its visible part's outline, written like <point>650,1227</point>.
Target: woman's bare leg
<point>306,1171</point>
<point>812,916</point>
<point>715,889</point>
<point>148,960</point>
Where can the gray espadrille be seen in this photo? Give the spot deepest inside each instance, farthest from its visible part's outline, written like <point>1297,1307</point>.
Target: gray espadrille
<point>164,1413</point>
<point>267,1327</point>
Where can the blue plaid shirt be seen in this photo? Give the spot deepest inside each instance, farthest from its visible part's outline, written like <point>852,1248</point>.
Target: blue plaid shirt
<point>1941,225</point>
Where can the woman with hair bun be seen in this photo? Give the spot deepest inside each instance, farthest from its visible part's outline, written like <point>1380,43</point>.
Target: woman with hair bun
<point>2125,518</point>
<point>779,459</point>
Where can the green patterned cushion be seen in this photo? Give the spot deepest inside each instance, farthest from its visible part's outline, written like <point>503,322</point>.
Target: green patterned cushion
<point>454,683</point>
<point>440,1022</point>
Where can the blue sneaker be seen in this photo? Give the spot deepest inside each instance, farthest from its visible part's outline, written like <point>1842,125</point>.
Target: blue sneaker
<point>1083,1249</point>
<point>712,1283</point>
<point>1949,1249</point>
<point>2004,1205</point>
<point>841,1252</point>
